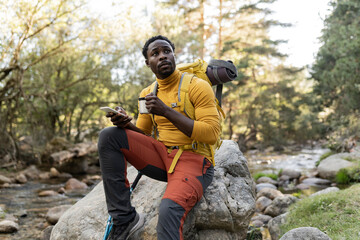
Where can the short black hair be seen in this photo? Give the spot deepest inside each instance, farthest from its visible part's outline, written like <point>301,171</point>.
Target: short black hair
<point>153,39</point>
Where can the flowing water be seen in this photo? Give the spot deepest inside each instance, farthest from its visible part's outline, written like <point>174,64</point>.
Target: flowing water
<point>303,160</point>
<point>23,201</point>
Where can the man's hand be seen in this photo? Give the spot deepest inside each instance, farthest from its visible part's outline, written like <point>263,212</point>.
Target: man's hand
<point>155,105</point>
<point>158,107</point>
<point>120,120</point>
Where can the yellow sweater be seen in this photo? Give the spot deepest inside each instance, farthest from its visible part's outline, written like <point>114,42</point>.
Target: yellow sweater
<point>206,123</point>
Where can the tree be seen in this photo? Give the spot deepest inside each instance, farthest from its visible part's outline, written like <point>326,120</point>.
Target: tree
<point>337,70</point>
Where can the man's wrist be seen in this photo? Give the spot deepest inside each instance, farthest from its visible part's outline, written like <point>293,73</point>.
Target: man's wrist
<point>168,111</point>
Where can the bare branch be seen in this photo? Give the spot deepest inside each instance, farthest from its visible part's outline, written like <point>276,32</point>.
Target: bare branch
<point>51,52</point>
<point>6,71</point>
<point>84,78</point>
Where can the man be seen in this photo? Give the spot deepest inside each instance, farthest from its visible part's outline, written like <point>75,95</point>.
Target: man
<point>190,175</point>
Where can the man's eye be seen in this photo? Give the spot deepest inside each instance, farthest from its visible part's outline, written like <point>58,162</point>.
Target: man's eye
<point>167,51</point>
<point>155,54</point>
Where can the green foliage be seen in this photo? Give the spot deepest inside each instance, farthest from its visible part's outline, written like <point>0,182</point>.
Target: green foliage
<point>256,176</point>
<point>320,212</point>
<point>348,175</point>
<point>342,177</point>
<point>322,157</point>
<point>327,154</point>
<point>57,71</point>
<point>59,66</point>
<point>336,72</point>
<point>253,233</point>
<point>297,194</point>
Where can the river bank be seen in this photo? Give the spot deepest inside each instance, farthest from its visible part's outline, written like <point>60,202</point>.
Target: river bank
<point>24,201</point>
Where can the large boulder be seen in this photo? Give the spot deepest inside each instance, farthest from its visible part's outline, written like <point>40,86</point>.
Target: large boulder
<point>224,212</point>
<point>329,167</point>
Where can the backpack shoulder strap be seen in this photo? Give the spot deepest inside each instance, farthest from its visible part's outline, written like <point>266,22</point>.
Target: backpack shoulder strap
<point>183,95</point>
<point>154,87</point>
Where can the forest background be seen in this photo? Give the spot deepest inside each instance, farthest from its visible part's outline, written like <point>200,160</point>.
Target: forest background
<point>59,63</point>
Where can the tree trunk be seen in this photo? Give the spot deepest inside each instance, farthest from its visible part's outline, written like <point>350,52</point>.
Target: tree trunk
<point>219,48</point>
<point>202,26</point>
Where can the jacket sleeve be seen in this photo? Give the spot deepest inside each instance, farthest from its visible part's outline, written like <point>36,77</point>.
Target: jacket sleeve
<point>207,120</point>
<point>144,121</point>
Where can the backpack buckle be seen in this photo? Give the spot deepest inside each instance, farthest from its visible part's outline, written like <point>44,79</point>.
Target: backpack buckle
<point>174,105</point>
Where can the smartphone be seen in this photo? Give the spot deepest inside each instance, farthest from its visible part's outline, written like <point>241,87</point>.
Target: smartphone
<point>108,109</point>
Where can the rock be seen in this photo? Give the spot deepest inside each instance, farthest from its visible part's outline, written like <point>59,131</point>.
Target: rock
<point>4,179</point>
<point>292,174</point>
<point>280,205</point>
<point>54,173</point>
<point>267,180</point>
<point>45,234</point>
<point>325,191</point>
<point>65,175</point>
<point>329,167</point>
<point>316,181</point>
<point>224,212</point>
<point>262,203</point>
<point>53,215</point>
<point>257,223</point>
<point>61,190</point>
<point>261,186</point>
<point>269,193</point>
<point>74,165</point>
<point>32,173</point>
<point>21,178</point>
<point>7,226</point>
<point>284,178</point>
<point>47,193</point>
<point>305,233</point>
<point>274,226</point>
<point>302,186</point>
<point>73,184</point>
<point>44,175</point>
<point>263,218</point>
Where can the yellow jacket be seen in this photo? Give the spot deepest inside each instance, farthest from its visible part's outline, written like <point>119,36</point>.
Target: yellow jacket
<point>206,123</point>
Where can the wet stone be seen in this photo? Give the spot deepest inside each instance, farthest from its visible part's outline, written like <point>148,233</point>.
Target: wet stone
<point>262,203</point>
<point>8,226</point>
<point>261,186</point>
<point>47,193</point>
<point>73,184</point>
<point>269,193</point>
<point>316,181</point>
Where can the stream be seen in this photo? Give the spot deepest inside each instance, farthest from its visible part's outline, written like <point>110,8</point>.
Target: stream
<point>24,203</point>
<point>303,160</point>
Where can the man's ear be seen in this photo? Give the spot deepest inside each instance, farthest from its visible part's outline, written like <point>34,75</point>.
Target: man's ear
<point>147,62</point>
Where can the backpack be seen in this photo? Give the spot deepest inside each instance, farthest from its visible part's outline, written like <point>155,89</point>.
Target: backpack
<point>216,72</point>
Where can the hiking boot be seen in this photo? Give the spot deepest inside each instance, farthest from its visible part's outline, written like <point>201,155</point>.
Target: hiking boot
<point>124,232</point>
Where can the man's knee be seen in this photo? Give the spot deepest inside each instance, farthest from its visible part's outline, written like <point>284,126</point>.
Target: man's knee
<point>112,136</point>
<point>169,222</point>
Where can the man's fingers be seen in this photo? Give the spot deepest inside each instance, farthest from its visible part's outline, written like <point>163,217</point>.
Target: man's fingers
<point>109,114</point>
<point>122,123</point>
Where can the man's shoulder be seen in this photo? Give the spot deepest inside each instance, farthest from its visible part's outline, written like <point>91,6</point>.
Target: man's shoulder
<point>198,84</point>
<point>200,89</point>
<point>147,90</point>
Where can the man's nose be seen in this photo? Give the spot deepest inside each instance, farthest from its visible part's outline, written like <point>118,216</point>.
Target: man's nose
<point>162,56</point>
